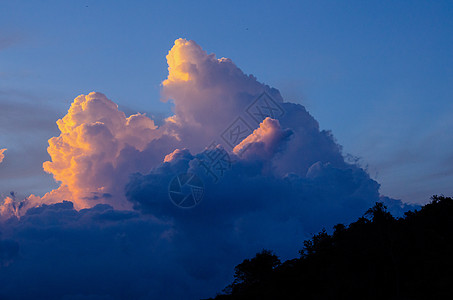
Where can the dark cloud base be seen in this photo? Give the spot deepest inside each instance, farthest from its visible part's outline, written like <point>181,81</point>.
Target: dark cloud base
<point>159,251</point>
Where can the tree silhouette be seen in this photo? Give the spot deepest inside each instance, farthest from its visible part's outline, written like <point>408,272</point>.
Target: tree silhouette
<point>254,272</point>
<point>376,257</point>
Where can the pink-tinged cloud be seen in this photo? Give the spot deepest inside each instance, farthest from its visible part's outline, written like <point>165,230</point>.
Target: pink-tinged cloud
<point>2,154</point>
<point>8,207</point>
<point>208,94</point>
<point>178,153</point>
<point>264,141</point>
<point>86,156</point>
<point>12,208</point>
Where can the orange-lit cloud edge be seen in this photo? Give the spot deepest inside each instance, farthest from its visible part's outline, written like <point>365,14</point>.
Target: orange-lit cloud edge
<point>2,154</point>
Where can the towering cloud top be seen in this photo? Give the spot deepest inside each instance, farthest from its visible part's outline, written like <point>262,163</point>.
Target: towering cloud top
<point>208,93</point>
<point>181,61</point>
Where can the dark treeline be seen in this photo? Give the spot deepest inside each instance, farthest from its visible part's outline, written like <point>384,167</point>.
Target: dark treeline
<point>376,257</point>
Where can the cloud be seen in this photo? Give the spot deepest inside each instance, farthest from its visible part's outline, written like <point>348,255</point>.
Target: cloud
<point>91,158</point>
<point>212,96</point>
<point>270,178</point>
<point>96,151</point>
<point>93,252</point>
<point>8,252</point>
<point>208,94</point>
<point>99,147</point>
<point>264,141</point>
<point>2,154</point>
<point>251,194</point>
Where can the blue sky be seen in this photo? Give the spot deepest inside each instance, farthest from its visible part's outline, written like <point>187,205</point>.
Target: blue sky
<point>379,75</point>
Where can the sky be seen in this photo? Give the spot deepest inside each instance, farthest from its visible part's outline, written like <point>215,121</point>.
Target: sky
<point>378,75</point>
<point>104,106</point>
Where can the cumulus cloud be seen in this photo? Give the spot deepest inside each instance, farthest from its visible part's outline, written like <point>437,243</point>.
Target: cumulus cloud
<point>2,154</point>
<point>97,150</point>
<point>265,140</point>
<point>208,94</point>
<point>271,177</point>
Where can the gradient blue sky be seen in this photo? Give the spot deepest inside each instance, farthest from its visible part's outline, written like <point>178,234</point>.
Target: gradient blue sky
<point>379,75</point>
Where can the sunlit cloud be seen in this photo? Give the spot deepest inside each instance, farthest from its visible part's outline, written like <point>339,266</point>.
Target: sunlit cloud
<point>2,154</point>
<point>264,141</point>
<point>179,61</point>
<point>86,157</point>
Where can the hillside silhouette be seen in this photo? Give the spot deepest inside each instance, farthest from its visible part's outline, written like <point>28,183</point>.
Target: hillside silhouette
<point>376,257</point>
